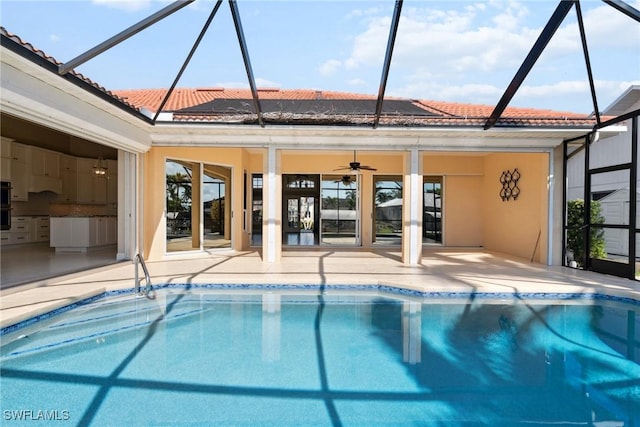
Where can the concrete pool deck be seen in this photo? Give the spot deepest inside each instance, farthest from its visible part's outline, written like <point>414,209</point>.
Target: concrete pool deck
<point>449,270</point>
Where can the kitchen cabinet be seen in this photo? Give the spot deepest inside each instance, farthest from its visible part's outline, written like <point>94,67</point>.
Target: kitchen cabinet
<point>69,177</point>
<point>20,230</point>
<point>5,159</point>
<point>44,171</point>
<point>19,172</point>
<point>27,229</point>
<point>112,187</point>
<point>45,162</point>
<point>78,234</point>
<point>92,188</point>
<point>40,230</point>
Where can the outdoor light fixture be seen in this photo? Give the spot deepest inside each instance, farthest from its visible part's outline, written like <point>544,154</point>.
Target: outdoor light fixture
<point>100,167</point>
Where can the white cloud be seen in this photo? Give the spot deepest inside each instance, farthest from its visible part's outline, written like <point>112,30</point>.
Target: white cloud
<point>260,83</point>
<point>448,40</point>
<point>470,53</point>
<point>433,90</point>
<point>54,38</point>
<point>330,67</point>
<point>126,5</point>
<point>357,82</point>
<point>233,85</point>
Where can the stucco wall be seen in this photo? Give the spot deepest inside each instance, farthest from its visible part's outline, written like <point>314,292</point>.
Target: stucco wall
<point>462,211</point>
<point>517,227</point>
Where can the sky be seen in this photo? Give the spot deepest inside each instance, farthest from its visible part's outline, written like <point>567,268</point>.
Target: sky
<point>456,51</point>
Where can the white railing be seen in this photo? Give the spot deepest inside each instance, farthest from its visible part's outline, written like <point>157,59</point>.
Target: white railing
<point>138,260</point>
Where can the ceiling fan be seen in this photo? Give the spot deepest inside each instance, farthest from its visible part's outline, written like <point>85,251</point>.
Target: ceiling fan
<point>355,165</point>
<point>346,180</point>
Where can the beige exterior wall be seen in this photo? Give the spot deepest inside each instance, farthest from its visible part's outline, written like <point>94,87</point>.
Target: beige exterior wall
<point>517,227</point>
<point>462,211</point>
<point>474,215</point>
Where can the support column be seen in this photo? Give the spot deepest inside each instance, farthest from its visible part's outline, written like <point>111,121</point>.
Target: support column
<point>412,210</point>
<point>196,205</point>
<point>271,198</point>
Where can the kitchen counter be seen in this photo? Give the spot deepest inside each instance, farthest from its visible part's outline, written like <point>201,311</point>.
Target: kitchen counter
<point>77,210</point>
<point>81,233</point>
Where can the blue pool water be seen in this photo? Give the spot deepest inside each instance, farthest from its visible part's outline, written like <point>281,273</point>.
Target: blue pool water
<point>253,358</point>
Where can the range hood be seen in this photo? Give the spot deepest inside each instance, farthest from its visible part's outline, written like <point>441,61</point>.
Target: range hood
<point>40,183</point>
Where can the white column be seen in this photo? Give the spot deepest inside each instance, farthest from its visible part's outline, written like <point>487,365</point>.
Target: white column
<point>414,193</point>
<point>270,199</point>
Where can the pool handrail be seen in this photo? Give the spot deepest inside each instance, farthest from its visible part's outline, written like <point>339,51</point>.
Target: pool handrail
<point>138,260</point>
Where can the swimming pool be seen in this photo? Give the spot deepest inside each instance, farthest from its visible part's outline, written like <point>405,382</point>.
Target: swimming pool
<point>329,356</point>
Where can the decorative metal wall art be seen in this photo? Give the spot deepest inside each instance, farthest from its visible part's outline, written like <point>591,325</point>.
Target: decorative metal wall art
<point>509,180</point>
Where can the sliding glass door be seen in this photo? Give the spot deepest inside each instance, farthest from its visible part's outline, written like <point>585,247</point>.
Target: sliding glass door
<point>432,210</point>
<point>340,210</point>
<point>197,206</point>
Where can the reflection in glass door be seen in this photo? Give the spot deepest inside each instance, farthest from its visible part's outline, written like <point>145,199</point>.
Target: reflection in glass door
<point>216,218</point>
<point>387,201</point>
<point>340,210</point>
<point>301,221</point>
<point>432,210</point>
<point>300,210</point>
<point>179,202</point>
<point>197,213</point>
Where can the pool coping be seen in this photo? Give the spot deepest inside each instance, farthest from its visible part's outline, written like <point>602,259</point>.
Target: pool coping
<point>62,306</point>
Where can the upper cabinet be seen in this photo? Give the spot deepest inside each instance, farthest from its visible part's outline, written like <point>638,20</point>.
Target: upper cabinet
<point>45,163</point>
<point>45,171</point>
<point>5,159</point>
<point>69,178</point>
<point>19,172</point>
<point>92,188</point>
<point>73,179</point>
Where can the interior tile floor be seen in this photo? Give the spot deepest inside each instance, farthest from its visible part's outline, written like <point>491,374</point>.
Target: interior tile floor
<point>450,269</point>
<point>26,264</point>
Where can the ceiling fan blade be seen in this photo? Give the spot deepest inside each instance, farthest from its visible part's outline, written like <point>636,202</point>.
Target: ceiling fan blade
<point>368,168</point>
<point>343,168</point>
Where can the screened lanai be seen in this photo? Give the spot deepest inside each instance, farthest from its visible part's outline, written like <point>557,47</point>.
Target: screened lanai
<point>433,156</point>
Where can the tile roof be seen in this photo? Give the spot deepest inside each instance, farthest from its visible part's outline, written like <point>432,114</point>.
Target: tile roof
<point>189,105</point>
<point>439,113</point>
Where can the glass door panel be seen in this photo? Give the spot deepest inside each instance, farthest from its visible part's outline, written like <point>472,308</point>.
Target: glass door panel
<point>432,211</point>
<point>387,201</point>
<point>179,205</point>
<point>197,206</point>
<point>300,210</point>
<point>217,217</point>
<point>256,209</point>
<point>339,213</point>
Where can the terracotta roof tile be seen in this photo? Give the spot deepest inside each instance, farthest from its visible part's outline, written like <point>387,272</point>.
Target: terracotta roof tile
<point>448,113</point>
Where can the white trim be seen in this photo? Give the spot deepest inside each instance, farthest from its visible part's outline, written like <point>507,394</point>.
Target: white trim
<point>32,93</point>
